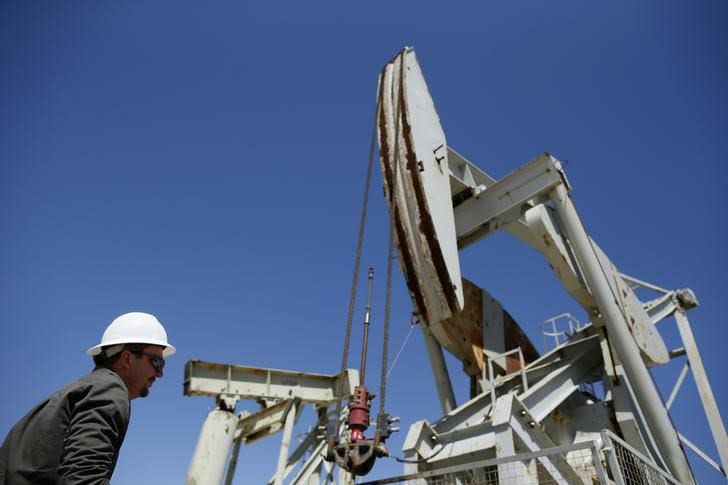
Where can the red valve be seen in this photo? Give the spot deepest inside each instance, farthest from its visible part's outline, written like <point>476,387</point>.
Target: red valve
<point>359,413</point>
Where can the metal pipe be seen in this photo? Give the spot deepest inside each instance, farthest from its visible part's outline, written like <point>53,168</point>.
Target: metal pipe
<point>285,444</point>
<point>639,375</point>
<point>365,339</point>
<point>439,371</point>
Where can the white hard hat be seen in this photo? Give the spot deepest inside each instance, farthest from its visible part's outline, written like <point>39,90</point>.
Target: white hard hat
<point>134,328</point>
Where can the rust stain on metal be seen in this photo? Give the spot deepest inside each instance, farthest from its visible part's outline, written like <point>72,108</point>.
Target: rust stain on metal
<point>546,240</point>
<point>427,227</point>
<point>465,339</point>
<point>465,330</point>
<point>516,337</point>
<point>387,162</point>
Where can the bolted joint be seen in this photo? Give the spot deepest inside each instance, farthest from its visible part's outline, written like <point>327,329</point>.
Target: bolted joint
<point>226,402</point>
<point>383,428</point>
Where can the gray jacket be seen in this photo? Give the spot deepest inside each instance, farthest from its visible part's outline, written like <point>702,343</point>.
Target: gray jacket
<point>73,437</point>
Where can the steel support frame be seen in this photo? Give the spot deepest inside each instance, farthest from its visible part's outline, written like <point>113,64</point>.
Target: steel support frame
<point>210,457</point>
<point>483,213</point>
<point>310,471</point>
<point>646,393</point>
<point>313,440</point>
<point>545,395</point>
<point>243,382</point>
<point>491,378</point>
<point>511,427</point>
<point>705,392</point>
<point>286,442</point>
<point>311,468</point>
<point>533,438</point>
<point>558,450</point>
<point>477,426</point>
<point>505,437</point>
<point>233,464</point>
<point>438,365</point>
<point>504,201</point>
<point>285,391</point>
<point>536,227</point>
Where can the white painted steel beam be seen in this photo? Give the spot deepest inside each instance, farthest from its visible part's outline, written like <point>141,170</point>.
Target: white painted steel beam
<point>242,382</point>
<point>543,225</point>
<point>286,443</point>
<point>311,467</point>
<point>264,423</point>
<point>704,390</point>
<point>547,394</point>
<point>530,435</point>
<point>626,409</point>
<point>418,444</point>
<point>702,454</point>
<point>623,341</point>
<point>677,385</point>
<point>233,464</point>
<point>504,201</point>
<point>311,441</point>
<point>439,372</point>
<point>468,414</point>
<point>310,471</point>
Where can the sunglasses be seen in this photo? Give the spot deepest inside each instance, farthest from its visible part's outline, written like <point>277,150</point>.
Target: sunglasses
<point>157,361</point>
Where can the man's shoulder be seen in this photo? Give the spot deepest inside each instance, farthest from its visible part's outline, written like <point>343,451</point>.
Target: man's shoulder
<point>103,379</point>
<point>102,375</point>
<point>100,380</point>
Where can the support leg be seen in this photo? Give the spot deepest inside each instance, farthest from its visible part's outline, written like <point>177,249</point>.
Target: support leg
<point>649,398</point>
<point>439,371</point>
<point>213,448</point>
<point>704,390</point>
<point>285,443</point>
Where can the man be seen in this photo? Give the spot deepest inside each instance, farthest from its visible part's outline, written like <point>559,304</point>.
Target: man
<point>75,435</point>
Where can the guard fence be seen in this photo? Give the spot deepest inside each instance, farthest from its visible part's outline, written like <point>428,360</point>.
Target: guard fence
<point>606,461</point>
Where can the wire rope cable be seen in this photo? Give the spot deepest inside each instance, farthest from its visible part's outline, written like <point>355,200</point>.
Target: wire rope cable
<point>401,348</point>
<point>390,248</point>
<point>357,263</point>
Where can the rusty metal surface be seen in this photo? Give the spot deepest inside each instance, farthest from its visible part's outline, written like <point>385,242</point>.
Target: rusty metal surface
<point>463,334</point>
<point>464,331</point>
<point>516,337</point>
<point>413,159</point>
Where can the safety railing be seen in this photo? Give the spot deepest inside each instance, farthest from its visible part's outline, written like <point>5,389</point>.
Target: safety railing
<point>629,466</point>
<point>606,461</point>
<point>492,379</point>
<point>560,328</point>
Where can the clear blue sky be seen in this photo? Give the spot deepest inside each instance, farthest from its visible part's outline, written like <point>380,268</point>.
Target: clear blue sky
<point>204,162</point>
